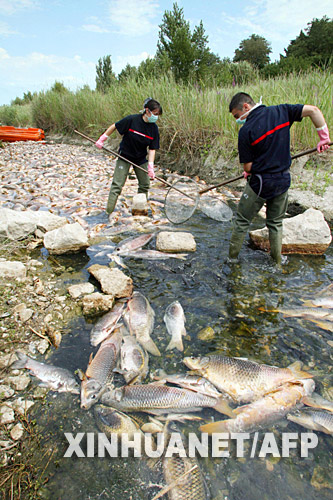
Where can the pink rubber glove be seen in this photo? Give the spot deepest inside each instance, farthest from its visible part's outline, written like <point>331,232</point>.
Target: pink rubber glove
<point>324,137</point>
<point>101,140</point>
<point>151,172</point>
<point>246,174</point>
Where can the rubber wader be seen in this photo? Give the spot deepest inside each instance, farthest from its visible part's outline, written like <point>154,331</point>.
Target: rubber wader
<point>119,178</point>
<point>249,205</point>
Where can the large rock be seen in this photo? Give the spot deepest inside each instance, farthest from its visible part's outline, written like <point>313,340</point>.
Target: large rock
<point>12,269</point>
<point>167,241</point>
<point>16,225</point>
<point>113,281</point>
<point>66,239</point>
<point>307,233</point>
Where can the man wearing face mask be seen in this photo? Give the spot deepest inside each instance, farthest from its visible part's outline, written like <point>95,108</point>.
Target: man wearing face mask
<point>264,151</point>
<point>139,132</point>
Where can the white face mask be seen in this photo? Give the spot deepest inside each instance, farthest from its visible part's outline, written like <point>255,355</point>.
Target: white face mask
<point>242,120</point>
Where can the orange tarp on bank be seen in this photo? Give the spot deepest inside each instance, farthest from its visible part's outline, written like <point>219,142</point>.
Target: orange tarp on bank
<point>12,134</point>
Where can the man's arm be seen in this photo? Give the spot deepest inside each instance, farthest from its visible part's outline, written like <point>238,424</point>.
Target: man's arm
<point>318,120</point>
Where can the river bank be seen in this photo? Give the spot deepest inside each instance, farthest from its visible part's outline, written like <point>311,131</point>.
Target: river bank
<point>62,178</point>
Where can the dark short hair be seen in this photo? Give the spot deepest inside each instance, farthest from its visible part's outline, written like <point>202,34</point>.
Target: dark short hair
<point>239,99</point>
<point>151,104</point>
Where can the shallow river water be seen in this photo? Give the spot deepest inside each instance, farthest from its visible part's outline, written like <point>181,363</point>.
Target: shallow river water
<point>226,298</point>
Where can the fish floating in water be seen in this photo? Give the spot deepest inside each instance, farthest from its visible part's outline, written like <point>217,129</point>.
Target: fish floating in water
<point>182,475</point>
<point>152,255</point>
<point>132,244</point>
<point>107,323</point>
<point>324,301</point>
<point>314,419</point>
<point>193,382</point>
<point>242,379</point>
<point>174,319</point>
<point>140,318</point>
<point>100,370</point>
<point>315,314</point>
<point>57,379</point>
<point>157,399</point>
<point>264,411</point>
<point>133,360</point>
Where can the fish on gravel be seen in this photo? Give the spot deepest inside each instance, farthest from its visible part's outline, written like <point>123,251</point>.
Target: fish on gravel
<point>56,378</point>
<point>154,255</point>
<point>314,419</point>
<point>265,411</point>
<point>242,379</point>
<point>107,323</point>
<point>156,398</point>
<point>174,319</point>
<point>133,360</point>
<point>133,243</point>
<point>140,318</point>
<point>100,368</point>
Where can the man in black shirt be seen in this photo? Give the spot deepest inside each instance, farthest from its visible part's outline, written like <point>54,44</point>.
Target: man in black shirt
<point>264,150</point>
<point>139,133</point>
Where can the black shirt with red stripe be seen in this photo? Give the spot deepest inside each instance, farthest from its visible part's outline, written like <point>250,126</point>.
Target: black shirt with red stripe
<point>264,139</point>
<point>137,137</point>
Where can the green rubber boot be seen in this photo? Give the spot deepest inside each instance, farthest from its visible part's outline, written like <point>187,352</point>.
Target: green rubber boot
<point>275,241</point>
<point>235,245</point>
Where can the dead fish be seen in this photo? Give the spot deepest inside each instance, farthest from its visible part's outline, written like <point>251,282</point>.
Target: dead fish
<point>107,323</point>
<point>57,379</point>
<point>305,312</point>
<point>100,250</point>
<point>184,476</point>
<point>157,398</point>
<point>243,380</point>
<point>100,370</point>
<point>316,420</point>
<point>140,317</point>
<point>118,260</point>
<point>111,421</point>
<point>174,319</point>
<point>133,360</point>
<point>132,244</point>
<point>264,411</point>
<point>324,325</point>
<point>154,255</point>
<point>191,382</point>
<point>317,401</point>
<point>325,301</point>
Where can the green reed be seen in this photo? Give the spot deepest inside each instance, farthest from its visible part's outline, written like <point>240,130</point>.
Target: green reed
<point>195,120</point>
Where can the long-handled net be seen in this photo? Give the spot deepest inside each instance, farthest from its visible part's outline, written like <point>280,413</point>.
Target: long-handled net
<point>184,196</point>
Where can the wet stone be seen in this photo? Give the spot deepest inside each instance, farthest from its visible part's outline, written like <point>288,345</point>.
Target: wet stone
<point>76,291</point>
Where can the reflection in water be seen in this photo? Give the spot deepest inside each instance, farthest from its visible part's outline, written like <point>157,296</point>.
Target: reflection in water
<point>226,298</point>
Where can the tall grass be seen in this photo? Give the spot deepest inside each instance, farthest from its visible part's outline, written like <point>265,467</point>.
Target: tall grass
<point>195,120</point>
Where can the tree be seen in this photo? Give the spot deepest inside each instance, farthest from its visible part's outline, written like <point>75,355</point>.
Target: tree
<point>105,76</point>
<point>255,50</point>
<point>188,54</point>
<point>315,45</point>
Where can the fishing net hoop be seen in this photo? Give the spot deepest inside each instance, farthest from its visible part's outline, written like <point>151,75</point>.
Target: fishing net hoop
<point>181,200</point>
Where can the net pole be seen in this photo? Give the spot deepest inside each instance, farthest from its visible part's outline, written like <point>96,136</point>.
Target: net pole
<point>130,162</point>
